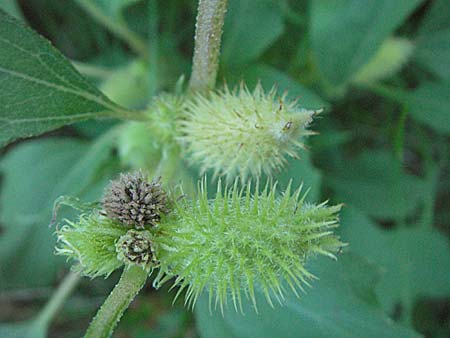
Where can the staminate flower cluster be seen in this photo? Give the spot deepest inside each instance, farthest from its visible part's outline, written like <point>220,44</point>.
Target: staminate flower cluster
<point>136,247</point>
<point>243,133</point>
<point>134,201</point>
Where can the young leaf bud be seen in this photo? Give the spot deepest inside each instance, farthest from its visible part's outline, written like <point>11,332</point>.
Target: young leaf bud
<point>135,202</point>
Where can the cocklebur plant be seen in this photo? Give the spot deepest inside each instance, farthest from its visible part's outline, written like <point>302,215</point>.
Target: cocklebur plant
<point>243,239</point>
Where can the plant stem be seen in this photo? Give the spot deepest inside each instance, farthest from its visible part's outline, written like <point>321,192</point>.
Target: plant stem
<point>131,282</point>
<point>116,27</point>
<point>58,298</point>
<point>208,36</point>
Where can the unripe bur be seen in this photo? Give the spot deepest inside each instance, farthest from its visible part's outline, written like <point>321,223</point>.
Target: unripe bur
<point>241,240</point>
<point>90,243</point>
<point>243,133</point>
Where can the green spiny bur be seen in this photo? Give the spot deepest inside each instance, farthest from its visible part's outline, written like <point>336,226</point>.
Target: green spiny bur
<point>241,240</point>
<point>91,243</point>
<point>243,133</point>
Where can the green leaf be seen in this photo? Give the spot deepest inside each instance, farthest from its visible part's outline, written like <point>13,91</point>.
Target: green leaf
<point>251,26</point>
<point>433,48</point>
<point>429,104</point>
<point>415,260</point>
<point>436,18</point>
<point>29,172</point>
<point>34,175</point>
<point>39,88</point>
<point>433,52</point>
<point>12,8</point>
<point>375,183</point>
<point>339,304</point>
<point>346,34</point>
<point>25,329</point>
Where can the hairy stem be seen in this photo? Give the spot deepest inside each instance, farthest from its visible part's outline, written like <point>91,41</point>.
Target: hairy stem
<point>58,298</point>
<point>109,314</point>
<point>116,27</point>
<point>208,36</point>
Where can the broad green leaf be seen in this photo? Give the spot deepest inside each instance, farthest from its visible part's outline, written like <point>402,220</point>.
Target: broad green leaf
<point>12,8</point>
<point>415,261</point>
<point>34,175</point>
<point>25,329</point>
<point>346,34</point>
<point>251,26</point>
<point>376,183</point>
<point>429,104</point>
<point>39,88</point>
<point>30,172</point>
<point>433,47</point>
<point>433,53</point>
<point>339,304</point>
<point>436,18</point>
<point>269,77</point>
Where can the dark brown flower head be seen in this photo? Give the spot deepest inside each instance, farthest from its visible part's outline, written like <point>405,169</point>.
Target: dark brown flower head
<point>133,201</point>
<point>136,247</point>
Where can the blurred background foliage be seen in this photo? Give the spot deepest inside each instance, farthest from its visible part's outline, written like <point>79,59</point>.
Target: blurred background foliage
<point>381,70</point>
